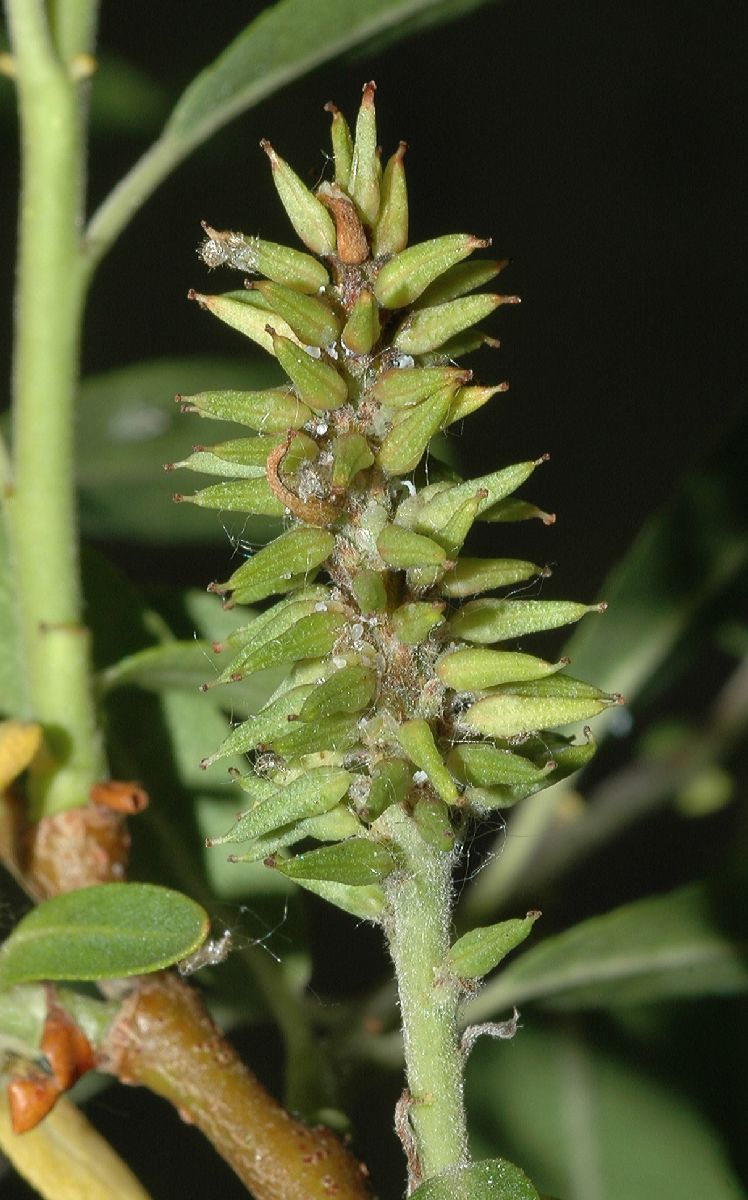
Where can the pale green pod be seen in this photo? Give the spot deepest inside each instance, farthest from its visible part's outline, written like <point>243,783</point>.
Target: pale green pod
<point>309,794</point>
<point>483,765</point>
<point>429,328</point>
<point>403,447</point>
<point>402,387</point>
<point>310,636</point>
<point>472,669</point>
<point>292,553</point>
<point>309,217</point>
<point>318,383</point>
<point>348,690</point>
<point>250,455</point>
<point>330,826</point>
<point>362,329</point>
<point>313,321</point>
<point>351,453</point>
<point>472,575</point>
<point>464,277</point>
<point>414,621</point>
<point>480,950</point>
<point>342,145</point>
<point>338,732</point>
<point>417,741</point>
<point>467,342</point>
<point>514,509</point>
<point>516,709</point>
<point>404,277</point>
<point>370,591</point>
<point>490,620</point>
<point>366,903</point>
<point>241,314</point>
<point>282,264</point>
<point>390,233</point>
<point>401,548</point>
<point>391,780</point>
<point>261,728</point>
<point>432,818</point>
<point>266,625</point>
<point>468,399</point>
<point>290,583</point>
<point>271,411</point>
<point>363,183</point>
<point>357,861</point>
<point>437,511</point>
<point>452,534</point>
<point>252,496</point>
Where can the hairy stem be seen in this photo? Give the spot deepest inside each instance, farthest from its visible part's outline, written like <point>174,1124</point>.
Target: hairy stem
<point>42,506</point>
<point>418,933</point>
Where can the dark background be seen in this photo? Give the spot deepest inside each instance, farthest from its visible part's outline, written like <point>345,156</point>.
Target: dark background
<point>599,142</point>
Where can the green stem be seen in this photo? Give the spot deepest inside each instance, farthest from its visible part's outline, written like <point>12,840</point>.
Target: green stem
<point>42,508</point>
<point>418,932</point>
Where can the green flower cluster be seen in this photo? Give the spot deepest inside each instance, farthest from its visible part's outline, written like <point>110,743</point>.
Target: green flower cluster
<point>403,688</point>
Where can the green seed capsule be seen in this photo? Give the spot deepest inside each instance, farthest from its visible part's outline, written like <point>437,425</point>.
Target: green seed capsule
<point>452,534</point>
<point>490,620</point>
<point>313,321</point>
<point>403,447</point>
<point>318,383</point>
<point>238,311</point>
<point>355,862</point>
<point>351,453</point>
<point>271,411</point>
<point>252,496</point>
<point>293,553</point>
<point>261,728</point>
<point>391,780</point>
<point>461,279</point>
<point>523,708</point>
<point>310,636</point>
<point>255,256</point>
<point>330,826</point>
<point>342,145</point>
<point>370,591</point>
<point>468,399</point>
<point>264,626</point>
<point>390,233</point>
<point>309,218</point>
<point>429,328</point>
<point>403,278</point>
<point>513,509</point>
<point>480,950</point>
<point>484,765</point>
<point>348,690</point>
<point>434,824</point>
<point>400,548</point>
<point>362,329</point>
<point>309,794</point>
<point>414,621</point>
<point>339,732</point>
<point>363,184</point>
<point>241,458</point>
<point>472,670</point>
<point>402,387</point>
<point>437,511</point>
<point>472,575</point>
<point>417,741</point>
<point>365,903</point>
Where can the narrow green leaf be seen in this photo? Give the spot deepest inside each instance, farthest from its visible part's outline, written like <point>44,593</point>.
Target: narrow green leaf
<point>493,1179</point>
<point>103,932</point>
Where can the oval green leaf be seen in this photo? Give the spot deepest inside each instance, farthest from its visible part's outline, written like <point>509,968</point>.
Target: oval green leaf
<point>106,931</point>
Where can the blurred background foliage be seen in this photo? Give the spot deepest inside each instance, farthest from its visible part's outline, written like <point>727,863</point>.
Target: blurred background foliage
<point>599,144</point>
